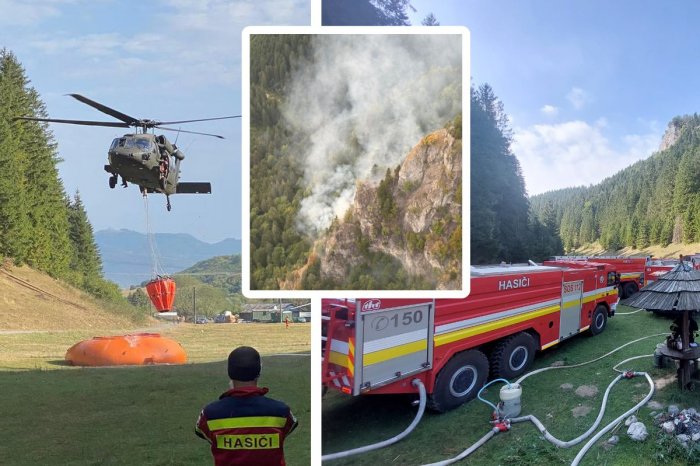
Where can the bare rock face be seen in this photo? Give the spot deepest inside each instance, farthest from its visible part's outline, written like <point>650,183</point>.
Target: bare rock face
<point>670,136</point>
<point>430,170</point>
<point>413,215</point>
<point>673,131</point>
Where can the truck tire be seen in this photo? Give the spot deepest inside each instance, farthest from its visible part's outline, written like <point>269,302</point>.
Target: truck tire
<point>599,320</point>
<point>459,380</point>
<point>513,355</point>
<point>629,289</point>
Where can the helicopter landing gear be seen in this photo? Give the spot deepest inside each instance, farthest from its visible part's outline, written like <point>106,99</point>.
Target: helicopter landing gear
<point>112,181</point>
<point>167,203</point>
<point>124,184</point>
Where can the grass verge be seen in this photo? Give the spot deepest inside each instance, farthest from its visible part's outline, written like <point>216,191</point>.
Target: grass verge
<point>55,414</point>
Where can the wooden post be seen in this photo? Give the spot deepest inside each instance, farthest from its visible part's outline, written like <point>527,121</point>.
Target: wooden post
<point>684,366</point>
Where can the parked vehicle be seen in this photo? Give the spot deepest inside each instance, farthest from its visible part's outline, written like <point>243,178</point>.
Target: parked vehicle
<point>632,270</point>
<point>454,345</point>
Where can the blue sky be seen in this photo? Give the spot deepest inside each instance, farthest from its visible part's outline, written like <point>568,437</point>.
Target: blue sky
<point>161,59</point>
<point>589,85</point>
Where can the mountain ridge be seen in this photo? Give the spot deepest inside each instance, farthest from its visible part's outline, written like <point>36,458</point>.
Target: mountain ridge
<point>126,254</point>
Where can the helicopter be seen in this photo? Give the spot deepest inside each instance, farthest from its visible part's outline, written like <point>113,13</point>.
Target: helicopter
<point>145,159</point>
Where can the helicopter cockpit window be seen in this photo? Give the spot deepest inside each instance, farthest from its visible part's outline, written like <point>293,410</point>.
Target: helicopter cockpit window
<point>114,144</point>
<point>144,145</point>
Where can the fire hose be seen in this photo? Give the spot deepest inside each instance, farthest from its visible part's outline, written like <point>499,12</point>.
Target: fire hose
<point>375,446</point>
<point>505,424</point>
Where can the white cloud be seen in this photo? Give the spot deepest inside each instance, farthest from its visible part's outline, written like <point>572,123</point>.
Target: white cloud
<point>89,45</point>
<point>24,14</point>
<point>578,97</point>
<point>198,42</point>
<point>575,153</point>
<point>549,110</point>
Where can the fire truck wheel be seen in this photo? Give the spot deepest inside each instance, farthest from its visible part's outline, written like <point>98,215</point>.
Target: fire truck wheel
<point>599,320</point>
<point>629,289</point>
<point>513,355</point>
<point>459,380</point>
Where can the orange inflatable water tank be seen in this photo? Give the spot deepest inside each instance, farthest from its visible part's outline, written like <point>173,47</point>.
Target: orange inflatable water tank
<point>126,350</point>
<point>162,293</point>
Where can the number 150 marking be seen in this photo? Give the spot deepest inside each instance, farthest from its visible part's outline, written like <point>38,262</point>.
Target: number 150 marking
<point>408,318</point>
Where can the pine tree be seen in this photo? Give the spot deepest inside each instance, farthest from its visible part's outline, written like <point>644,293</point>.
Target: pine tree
<point>430,20</point>
<point>86,257</point>
<point>15,226</point>
<point>500,221</point>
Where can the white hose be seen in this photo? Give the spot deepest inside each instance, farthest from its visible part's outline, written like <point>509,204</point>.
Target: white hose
<point>608,427</point>
<point>580,438</point>
<point>628,313</point>
<point>385,443</point>
<point>631,359</point>
<point>520,380</point>
<point>469,450</point>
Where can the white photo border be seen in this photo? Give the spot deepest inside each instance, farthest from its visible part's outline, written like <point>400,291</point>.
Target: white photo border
<point>245,156</point>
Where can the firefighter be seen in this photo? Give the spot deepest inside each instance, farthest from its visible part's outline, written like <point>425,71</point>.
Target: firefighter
<point>244,427</point>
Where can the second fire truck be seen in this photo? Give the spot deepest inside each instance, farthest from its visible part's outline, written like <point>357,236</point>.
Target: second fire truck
<point>454,345</point>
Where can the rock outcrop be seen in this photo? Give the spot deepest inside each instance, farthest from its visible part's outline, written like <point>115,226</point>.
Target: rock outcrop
<point>673,132</point>
<point>412,215</point>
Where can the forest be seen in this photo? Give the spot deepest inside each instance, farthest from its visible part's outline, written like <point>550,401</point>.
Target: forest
<point>654,201</point>
<point>503,227</point>
<point>41,225</point>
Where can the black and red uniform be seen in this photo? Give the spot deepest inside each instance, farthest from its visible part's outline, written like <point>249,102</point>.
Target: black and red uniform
<point>246,428</point>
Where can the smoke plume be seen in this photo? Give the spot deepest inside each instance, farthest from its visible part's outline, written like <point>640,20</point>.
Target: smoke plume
<point>359,107</point>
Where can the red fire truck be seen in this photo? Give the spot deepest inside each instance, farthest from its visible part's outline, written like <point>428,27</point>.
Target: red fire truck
<point>658,267</point>
<point>453,345</point>
<point>631,270</point>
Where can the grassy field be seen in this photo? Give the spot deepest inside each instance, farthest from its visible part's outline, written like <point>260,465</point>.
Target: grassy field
<point>56,414</point>
<point>353,422</point>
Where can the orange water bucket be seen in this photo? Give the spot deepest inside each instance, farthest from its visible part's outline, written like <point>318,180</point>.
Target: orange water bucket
<point>162,293</point>
<point>126,350</point>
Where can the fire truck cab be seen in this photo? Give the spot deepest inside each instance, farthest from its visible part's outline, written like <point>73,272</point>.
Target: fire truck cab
<point>454,345</point>
<point>631,269</point>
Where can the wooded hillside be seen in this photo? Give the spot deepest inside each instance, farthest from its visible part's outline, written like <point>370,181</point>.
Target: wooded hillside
<point>40,225</point>
<point>654,201</point>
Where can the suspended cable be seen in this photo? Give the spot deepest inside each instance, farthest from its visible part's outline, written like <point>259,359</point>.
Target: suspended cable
<point>157,270</point>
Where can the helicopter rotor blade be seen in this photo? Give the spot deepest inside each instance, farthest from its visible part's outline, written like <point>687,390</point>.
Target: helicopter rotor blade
<point>104,109</point>
<point>191,132</point>
<point>201,119</point>
<point>112,124</point>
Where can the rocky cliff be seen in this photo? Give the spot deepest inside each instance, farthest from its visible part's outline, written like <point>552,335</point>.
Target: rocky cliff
<point>673,132</point>
<point>412,215</point>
